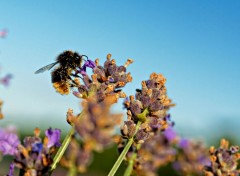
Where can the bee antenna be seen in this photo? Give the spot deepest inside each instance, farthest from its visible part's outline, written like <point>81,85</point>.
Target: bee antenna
<point>84,56</point>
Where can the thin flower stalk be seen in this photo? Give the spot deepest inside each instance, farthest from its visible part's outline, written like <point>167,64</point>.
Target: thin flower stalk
<point>66,141</point>
<point>62,149</point>
<point>131,161</point>
<point>123,153</point>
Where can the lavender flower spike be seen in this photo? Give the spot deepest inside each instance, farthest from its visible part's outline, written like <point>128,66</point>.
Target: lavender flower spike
<point>8,142</point>
<point>53,137</point>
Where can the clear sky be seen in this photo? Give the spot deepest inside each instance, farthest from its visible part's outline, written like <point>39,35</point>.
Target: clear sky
<point>195,44</point>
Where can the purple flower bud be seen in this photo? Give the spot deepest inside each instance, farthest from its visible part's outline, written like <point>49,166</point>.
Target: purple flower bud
<point>170,134</point>
<point>89,64</point>
<point>11,169</point>
<point>168,117</point>
<point>53,137</point>
<point>8,142</point>
<point>183,143</point>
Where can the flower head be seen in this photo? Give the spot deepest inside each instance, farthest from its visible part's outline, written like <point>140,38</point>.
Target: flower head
<point>35,155</point>
<point>150,106</point>
<point>9,142</point>
<point>224,160</point>
<point>147,119</point>
<point>191,157</point>
<point>96,125</point>
<point>105,81</point>
<point>155,152</point>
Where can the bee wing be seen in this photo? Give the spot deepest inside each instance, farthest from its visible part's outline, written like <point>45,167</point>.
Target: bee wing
<point>47,67</point>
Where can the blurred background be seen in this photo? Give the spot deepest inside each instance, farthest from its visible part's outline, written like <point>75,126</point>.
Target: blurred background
<point>194,44</point>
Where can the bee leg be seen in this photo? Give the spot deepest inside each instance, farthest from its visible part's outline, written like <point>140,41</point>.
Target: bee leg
<point>74,83</point>
<point>75,75</point>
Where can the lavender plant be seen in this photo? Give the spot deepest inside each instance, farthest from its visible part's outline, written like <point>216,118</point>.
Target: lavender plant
<point>224,160</point>
<point>147,139</point>
<point>34,157</point>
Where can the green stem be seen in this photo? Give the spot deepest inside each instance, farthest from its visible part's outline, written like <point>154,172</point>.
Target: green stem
<point>62,149</point>
<point>64,145</point>
<point>124,152</point>
<point>129,169</point>
<point>72,171</point>
<point>121,157</point>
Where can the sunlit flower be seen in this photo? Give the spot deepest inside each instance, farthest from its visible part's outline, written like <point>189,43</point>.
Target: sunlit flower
<point>224,160</point>
<point>149,106</point>
<point>105,81</point>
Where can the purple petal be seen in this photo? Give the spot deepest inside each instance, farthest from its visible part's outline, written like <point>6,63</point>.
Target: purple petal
<point>90,64</point>
<point>53,137</point>
<point>184,143</point>
<point>8,142</point>
<point>168,117</point>
<point>170,134</point>
<point>37,147</point>
<point>11,169</point>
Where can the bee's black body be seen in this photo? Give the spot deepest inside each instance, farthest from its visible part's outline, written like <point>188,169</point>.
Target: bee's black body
<point>61,76</point>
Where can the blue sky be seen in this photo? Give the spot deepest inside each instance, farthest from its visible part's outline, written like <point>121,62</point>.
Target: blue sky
<point>195,44</point>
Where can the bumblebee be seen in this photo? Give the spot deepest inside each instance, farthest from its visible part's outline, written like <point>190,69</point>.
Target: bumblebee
<point>61,76</point>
